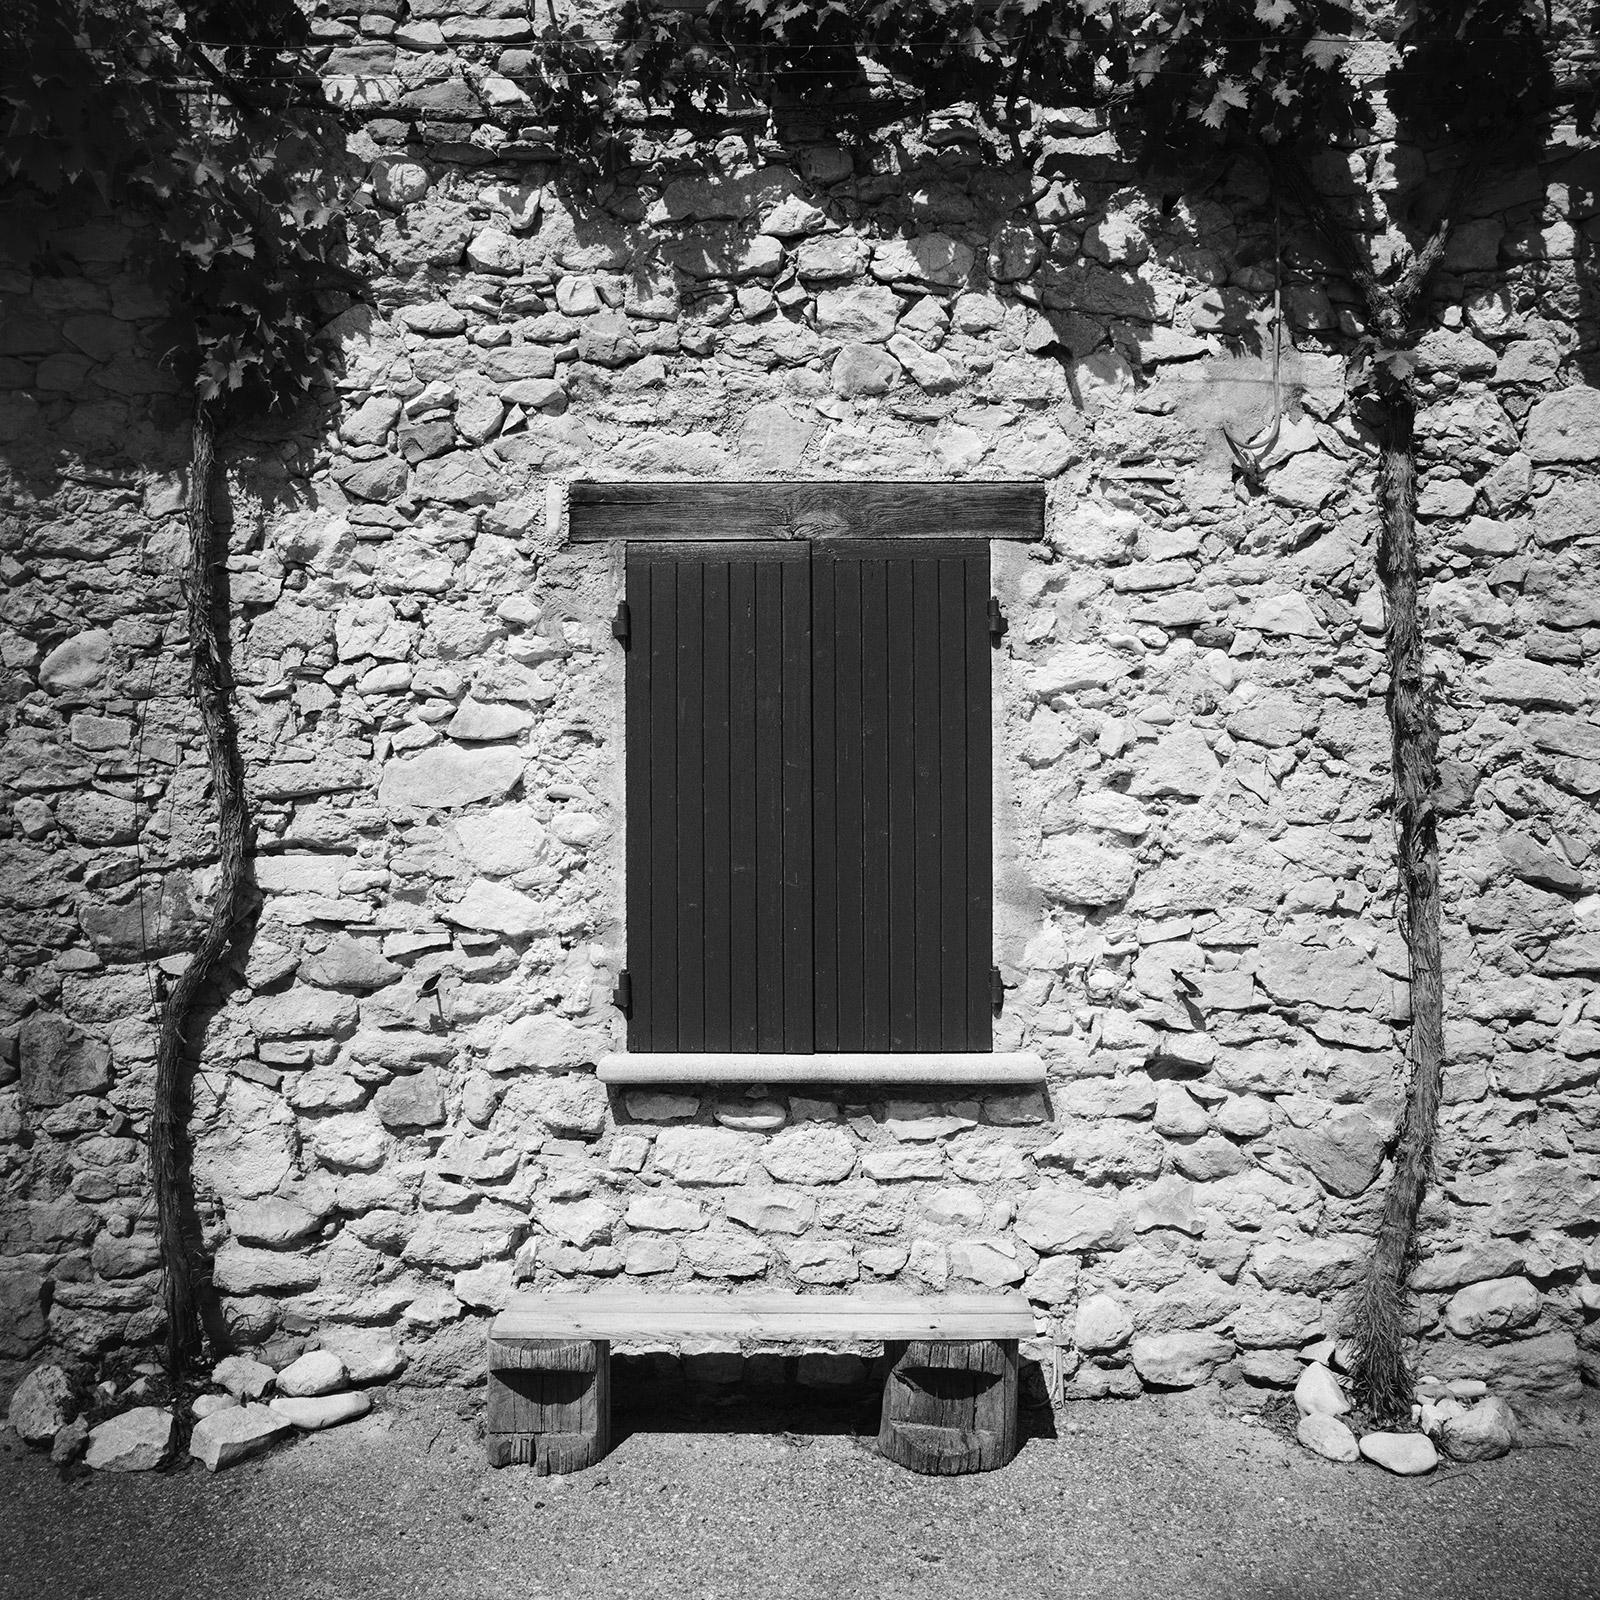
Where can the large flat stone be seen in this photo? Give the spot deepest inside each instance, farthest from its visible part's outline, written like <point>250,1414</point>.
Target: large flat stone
<point>448,776</point>
<point>1179,1360</point>
<point>60,1061</point>
<point>135,1441</point>
<point>230,1435</point>
<point>1564,426</point>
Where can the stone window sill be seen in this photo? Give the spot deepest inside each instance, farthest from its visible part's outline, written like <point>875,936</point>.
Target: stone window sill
<point>997,1067</point>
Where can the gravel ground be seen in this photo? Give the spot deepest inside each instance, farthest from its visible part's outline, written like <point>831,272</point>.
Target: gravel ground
<point>1151,1500</point>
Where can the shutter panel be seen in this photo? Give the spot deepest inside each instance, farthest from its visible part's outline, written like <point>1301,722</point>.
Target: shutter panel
<point>903,874</point>
<point>719,785</point>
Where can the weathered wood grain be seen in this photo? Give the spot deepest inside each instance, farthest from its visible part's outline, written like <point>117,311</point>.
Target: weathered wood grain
<point>675,511</point>
<point>616,1314</point>
<point>549,1404</point>
<point>951,1407</point>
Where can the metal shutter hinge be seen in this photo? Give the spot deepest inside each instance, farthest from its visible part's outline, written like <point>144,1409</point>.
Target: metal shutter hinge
<point>622,995</point>
<point>997,990</point>
<point>998,626</point>
<point>622,625</point>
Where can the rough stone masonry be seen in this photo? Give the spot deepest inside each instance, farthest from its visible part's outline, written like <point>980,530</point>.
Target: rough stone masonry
<point>398,1116</point>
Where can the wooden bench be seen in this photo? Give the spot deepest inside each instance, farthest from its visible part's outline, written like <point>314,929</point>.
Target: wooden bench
<point>949,1406</point>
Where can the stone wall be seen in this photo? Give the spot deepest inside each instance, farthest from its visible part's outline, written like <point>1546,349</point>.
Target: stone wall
<point>398,1114</point>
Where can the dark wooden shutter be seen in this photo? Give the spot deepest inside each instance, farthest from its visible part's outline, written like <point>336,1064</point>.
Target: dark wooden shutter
<point>902,759</point>
<point>719,797</point>
<point>808,796</point>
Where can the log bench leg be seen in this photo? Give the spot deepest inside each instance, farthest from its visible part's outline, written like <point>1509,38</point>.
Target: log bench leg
<point>950,1406</point>
<point>549,1403</point>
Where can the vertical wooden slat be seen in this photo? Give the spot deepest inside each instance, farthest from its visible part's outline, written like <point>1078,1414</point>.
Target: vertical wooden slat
<point>924,941</point>
<point>798,799</point>
<point>824,815</point>
<point>717,832</point>
<point>874,739</point>
<point>844,844</point>
<point>902,907</point>
<point>688,716</point>
<point>980,885</point>
<point>952,805</point>
<point>743,1028</point>
<point>769,805</point>
<point>636,757</point>
<point>663,802</point>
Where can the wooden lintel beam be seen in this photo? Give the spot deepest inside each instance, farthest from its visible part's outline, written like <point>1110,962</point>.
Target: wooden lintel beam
<point>788,510</point>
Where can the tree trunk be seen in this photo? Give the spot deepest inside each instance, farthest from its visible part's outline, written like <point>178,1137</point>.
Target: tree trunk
<point>232,904</point>
<point>1376,1315</point>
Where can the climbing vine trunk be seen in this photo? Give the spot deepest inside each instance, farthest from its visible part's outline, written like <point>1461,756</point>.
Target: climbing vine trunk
<point>231,906</point>
<point>1377,1320</point>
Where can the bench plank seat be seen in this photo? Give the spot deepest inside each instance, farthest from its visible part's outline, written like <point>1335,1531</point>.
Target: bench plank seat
<point>616,1315</point>
<point>950,1404</point>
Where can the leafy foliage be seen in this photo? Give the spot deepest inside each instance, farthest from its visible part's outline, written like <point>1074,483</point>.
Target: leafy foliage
<point>1180,74</point>
<point>1478,70</point>
<point>1182,71</point>
<point>222,146</point>
<point>1268,71</point>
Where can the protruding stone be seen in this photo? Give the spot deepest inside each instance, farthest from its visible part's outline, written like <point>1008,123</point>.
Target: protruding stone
<point>349,963</point>
<point>1494,1307</point>
<point>752,1116</point>
<point>1103,1324</point>
<point>496,908</point>
<point>1055,1219</point>
<point>275,1222</point>
<point>415,1100</point>
<point>698,1157</point>
<point>484,720</point>
<point>59,1061</point>
<point>448,776</point>
<point>810,1154</point>
<point>76,663</point>
<point>864,369</point>
<point>1564,426</point>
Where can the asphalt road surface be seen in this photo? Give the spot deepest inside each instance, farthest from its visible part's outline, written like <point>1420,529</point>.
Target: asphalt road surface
<point>1151,1500</point>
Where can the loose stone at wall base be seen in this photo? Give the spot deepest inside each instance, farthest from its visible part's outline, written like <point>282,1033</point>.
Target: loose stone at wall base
<point>312,1414</point>
<point>224,1437</point>
<point>1483,1433</point>
<point>1406,1454</point>
<point>135,1441</point>
<point>1327,1436</point>
<point>42,1404</point>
